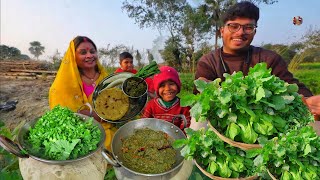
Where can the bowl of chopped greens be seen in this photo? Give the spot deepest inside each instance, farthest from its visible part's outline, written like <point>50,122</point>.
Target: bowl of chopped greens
<point>60,136</point>
<point>135,87</point>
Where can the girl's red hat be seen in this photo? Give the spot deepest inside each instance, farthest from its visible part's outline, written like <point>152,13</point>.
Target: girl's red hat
<point>166,73</point>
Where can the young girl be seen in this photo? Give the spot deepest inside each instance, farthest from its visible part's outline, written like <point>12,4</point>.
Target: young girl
<point>167,105</point>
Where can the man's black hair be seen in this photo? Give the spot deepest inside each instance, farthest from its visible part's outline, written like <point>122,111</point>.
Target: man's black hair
<point>244,9</point>
<point>125,55</point>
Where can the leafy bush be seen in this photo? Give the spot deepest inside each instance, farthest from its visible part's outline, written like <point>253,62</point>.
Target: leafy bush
<point>186,83</point>
<point>9,163</point>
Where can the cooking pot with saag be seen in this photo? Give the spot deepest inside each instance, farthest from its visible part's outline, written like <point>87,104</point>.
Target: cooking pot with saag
<point>117,158</point>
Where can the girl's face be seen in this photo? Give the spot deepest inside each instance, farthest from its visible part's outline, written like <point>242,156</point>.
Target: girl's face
<point>127,64</point>
<point>86,55</point>
<point>168,90</point>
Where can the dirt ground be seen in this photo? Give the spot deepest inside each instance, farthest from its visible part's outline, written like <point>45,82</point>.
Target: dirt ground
<point>32,96</point>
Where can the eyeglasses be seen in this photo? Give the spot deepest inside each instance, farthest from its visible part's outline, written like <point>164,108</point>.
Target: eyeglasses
<point>247,28</point>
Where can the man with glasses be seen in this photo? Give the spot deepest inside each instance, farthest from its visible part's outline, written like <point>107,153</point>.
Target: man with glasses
<point>240,23</point>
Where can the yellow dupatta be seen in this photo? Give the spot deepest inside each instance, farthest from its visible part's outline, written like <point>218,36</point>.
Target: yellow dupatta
<point>67,89</point>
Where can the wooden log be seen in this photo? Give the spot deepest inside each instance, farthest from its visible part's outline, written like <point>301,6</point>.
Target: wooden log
<point>27,77</point>
<point>33,71</point>
<point>17,74</point>
<point>18,63</point>
<point>22,62</point>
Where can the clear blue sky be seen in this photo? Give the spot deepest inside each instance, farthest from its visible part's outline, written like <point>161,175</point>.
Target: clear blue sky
<point>55,22</point>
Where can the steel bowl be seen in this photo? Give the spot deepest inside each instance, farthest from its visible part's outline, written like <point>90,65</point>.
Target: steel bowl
<point>126,88</point>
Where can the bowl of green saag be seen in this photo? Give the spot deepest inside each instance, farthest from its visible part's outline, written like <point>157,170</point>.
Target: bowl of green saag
<point>142,149</point>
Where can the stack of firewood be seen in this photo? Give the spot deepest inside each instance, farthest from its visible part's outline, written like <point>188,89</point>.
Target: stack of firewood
<point>25,70</point>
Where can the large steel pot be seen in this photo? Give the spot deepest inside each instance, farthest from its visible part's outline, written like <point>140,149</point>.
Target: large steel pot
<point>115,158</point>
<point>22,145</point>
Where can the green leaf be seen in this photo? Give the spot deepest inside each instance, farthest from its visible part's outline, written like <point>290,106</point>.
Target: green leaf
<point>264,127</point>
<point>258,160</point>
<point>260,94</point>
<point>237,164</point>
<point>281,151</point>
<point>225,97</point>
<point>248,135</point>
<point>179,143</point>
<point>63,148</point>
<point>278,102</point>
<point>185,151</point>
<point>291,88</point>
<point>307,149</point>
<point>200,84</point>
<point>188,100</point>
<point>195,111</point>
<point>213,167</point>
<point>223,170</point>
<point>232,131</point>
<point>286,175</point>
<point>279,123</point>
<point>288,99</point>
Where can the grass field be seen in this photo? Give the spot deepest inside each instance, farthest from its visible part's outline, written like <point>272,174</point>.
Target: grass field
<point>309,74</point>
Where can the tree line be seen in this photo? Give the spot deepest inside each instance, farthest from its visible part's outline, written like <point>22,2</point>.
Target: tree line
<point>307,49</point>
<point>190,28</point>
<point>13,53</point>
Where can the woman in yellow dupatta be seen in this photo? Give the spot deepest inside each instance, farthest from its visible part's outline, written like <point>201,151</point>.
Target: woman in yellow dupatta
<point>79,72</point>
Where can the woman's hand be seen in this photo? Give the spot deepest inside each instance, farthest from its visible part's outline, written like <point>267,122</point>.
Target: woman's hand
<point>87,113</point>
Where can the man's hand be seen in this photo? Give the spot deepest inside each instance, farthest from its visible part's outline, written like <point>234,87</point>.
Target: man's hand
<point>313,103</point>
<point>204,79</point>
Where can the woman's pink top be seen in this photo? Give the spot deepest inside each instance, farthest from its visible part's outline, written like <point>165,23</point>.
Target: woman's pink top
<point>88,89</point>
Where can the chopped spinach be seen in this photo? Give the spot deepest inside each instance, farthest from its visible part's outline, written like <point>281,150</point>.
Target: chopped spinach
<point>60,135</point>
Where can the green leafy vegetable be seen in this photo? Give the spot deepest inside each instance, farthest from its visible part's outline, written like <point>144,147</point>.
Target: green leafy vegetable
<point>214,155</point>
<point>148,70</point>
<point>244,108</point>
<point>294,155</point>
<point>9,163</point>
<point>60,135</point>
